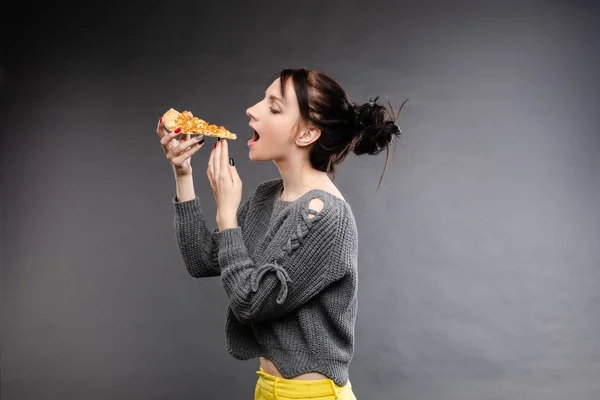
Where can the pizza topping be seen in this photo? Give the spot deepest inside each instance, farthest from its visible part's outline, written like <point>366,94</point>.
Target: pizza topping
<point>193,125</point>
<point>190,124</point>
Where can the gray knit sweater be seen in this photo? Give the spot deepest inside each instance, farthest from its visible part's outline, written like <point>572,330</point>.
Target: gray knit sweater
<point>290,273</point>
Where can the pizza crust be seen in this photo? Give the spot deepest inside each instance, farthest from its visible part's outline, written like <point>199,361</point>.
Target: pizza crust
<point>169,119</point>
<point>193,125</point>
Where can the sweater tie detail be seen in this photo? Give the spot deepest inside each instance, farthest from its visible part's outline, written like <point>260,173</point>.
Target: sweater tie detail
<point>301,231</point>
<point>281,273</point>
<point>292,244</point>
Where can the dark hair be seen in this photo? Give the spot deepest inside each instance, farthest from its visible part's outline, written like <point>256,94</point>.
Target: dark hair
<point>345,126</point>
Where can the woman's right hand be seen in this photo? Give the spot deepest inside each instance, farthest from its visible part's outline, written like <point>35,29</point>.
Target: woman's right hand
<point>178,152</point>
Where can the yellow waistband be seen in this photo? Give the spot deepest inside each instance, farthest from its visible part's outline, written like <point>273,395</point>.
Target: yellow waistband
<point>296,388</point>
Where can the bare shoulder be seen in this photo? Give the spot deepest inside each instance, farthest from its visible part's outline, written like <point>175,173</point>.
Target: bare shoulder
<point>317,204</point>
<point>332,189</point>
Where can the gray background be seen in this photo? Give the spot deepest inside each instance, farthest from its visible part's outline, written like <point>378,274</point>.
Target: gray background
<point>479,257</point>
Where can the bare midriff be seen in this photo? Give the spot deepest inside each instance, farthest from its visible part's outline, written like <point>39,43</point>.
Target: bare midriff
<point>271,369</point>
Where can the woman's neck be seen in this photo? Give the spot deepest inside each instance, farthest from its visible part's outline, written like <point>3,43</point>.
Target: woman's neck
<point>298,179</point>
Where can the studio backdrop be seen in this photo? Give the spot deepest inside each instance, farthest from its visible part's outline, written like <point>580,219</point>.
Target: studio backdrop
<point>479,256</point>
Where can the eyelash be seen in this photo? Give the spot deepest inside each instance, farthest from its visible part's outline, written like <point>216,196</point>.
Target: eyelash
<point>273,111</point>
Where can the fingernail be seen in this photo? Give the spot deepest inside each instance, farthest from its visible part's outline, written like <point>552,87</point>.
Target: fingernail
<point>215,146</point>
<point>160,120</point>
<point>177,130</point>
<point>201,141</point>
<point>198,138</point>
<point>219,139</point>
<point>231,162</point>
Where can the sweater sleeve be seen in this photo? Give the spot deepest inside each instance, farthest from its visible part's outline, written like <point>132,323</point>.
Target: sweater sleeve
<point>311,260</point>
<point>195,241</point>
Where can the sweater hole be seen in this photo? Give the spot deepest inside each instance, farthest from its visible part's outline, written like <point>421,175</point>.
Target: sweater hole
<point>314,207</point>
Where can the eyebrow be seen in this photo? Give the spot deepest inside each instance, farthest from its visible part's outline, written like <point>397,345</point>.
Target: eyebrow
<point>272,97</point>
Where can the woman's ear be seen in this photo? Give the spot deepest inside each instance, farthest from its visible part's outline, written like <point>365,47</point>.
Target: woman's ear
<point>308,136</point>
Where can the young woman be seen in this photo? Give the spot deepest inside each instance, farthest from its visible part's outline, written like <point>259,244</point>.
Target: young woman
<point>287,254</point>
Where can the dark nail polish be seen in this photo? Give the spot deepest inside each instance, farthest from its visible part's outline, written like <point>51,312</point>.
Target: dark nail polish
<point>219,139</point>
<point>201,141</point>
<point>215,145</point>
<point>231,162</point>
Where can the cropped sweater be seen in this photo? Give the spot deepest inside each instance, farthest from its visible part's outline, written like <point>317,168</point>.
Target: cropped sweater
<point>290,273</point>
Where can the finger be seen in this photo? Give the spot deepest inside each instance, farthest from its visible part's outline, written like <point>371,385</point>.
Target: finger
<point>168,141</point>
<point>210,168</point>
<point>198,137</point>
<point>212,182</point>
<point>217,161</point>
<point>184,145</point>
<point>234,173</point>
<point>224,161</point>
<point>210,171</point>
<point>160,128</point>
<point>180,159</point>
<point>209,176</point>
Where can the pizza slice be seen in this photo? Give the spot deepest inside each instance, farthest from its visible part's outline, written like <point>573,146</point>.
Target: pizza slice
<point>194,126</point>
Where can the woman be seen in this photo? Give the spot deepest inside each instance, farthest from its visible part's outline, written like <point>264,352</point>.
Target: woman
<point>287,256</point>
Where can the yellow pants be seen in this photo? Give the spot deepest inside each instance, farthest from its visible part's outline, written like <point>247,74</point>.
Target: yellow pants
<point>269,387</point>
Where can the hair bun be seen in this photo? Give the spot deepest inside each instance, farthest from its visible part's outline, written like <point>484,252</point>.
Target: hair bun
<point>376,127</point>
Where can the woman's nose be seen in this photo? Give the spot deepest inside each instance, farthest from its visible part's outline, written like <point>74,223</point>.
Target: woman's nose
<point>250,113</point>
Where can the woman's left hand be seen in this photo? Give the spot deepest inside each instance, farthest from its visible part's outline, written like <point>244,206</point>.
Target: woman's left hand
<point>225,184</point>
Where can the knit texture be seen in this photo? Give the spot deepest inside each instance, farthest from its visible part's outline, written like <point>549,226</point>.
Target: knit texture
<point>290,273</point>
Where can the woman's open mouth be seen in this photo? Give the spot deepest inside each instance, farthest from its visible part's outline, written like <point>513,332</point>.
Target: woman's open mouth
<point>255,137</point>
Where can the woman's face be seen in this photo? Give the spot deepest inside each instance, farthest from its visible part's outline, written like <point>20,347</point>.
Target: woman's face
<point>274,121</point>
